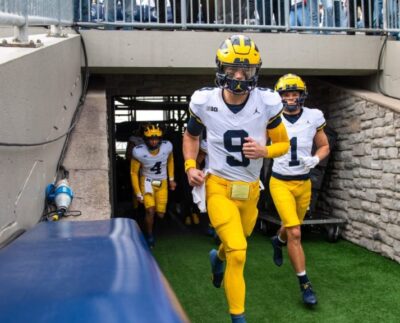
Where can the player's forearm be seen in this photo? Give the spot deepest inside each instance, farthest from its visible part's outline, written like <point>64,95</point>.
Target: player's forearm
<point>135,166</point>
<point>322,144</point>
<point>280,141</point>
<point>170,167</point>
<point>322,152</point>
<point>190,149</point>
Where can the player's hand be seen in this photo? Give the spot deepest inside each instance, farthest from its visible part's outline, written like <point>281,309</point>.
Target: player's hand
<point>172,185</point>
<point>310,162</point>
<point>195,176</point>
<point>252,149</point>
<point>139,198</point>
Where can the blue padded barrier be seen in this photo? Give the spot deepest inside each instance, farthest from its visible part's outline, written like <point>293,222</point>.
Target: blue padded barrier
<point>91,271</point>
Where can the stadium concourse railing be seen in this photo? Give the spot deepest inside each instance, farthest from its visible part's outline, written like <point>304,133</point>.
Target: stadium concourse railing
<point>23,13</point>
<point>351,16</point>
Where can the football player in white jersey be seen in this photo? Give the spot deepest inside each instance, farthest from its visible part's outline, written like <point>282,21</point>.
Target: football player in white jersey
<point>290,184</point>
<point>236,115</point>
<point>152,159</point>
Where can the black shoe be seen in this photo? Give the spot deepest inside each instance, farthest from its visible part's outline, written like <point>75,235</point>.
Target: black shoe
<point>277,246</point>
<point>241,318</point>
<point>308,294</point>
<point>217,268</point>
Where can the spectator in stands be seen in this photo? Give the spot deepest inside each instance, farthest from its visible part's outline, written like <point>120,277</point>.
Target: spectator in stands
<point>97,11</point>
<point>119,10</point>
<point>236,116</point>
<point>236,12</point>
<point>332,13</point>
<point>290,183</point>
<point>378,16</point>
<point>266,17</point>
<point>155,162</point>
<point>367,14</point>
<point>302,14</point>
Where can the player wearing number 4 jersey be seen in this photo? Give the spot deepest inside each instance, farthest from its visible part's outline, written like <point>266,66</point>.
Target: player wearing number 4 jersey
<point>237,116</point>
<point>152,160</point>
<point>290,184</point>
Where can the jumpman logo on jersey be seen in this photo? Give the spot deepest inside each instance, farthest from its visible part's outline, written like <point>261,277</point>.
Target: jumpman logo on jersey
<point>256,111</point>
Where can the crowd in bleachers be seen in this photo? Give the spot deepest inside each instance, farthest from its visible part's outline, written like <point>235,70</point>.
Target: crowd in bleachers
<point>264,14</point>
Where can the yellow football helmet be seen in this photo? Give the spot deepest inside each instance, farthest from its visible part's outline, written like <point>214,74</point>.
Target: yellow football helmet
<point>238,52</point>
<point>152,131</point>
<point>292,82</point>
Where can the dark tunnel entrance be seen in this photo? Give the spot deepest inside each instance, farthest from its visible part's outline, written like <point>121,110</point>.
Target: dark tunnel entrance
<point>130,115</point>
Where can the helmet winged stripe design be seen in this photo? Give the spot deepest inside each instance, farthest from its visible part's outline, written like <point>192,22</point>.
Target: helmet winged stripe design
<point>151,132</point>
<point>238,51</point>
<point>289,83</point>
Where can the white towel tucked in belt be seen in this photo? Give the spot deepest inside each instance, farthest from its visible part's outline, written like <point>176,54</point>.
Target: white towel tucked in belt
<point>148,188</point>
<point>199,195</point>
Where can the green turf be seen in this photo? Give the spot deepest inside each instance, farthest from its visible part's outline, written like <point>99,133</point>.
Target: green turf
<point>352,284</point>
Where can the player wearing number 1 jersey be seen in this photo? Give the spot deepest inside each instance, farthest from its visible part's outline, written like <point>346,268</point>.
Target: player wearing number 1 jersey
<point>149,167</point>
<point>236,115</point>
<point>290,184</point>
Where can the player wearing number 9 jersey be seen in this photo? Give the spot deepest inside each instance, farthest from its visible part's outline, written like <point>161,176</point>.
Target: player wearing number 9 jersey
<point>237,116</point>
<point>151,161</point>
<point>290,184</point>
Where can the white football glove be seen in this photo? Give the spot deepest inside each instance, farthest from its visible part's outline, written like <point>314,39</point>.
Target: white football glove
<point>310,162</point>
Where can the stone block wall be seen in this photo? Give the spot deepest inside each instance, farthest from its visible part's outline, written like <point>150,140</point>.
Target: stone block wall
<point>363,184</point>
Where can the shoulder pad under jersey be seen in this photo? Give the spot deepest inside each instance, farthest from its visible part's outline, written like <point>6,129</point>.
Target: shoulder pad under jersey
<point>314,112</point>
<point>269,97</point>
<point>136,151</point>
<point>167,144</point>
<point>201,97</point>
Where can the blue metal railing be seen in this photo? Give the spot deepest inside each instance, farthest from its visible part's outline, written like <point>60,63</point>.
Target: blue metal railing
<point>24,13</point>
<point>370,16</point>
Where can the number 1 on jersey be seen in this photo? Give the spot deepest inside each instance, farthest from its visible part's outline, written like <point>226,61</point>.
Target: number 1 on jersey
<point>293,153</point>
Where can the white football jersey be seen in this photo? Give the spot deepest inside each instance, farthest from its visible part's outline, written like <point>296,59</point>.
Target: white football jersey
<point>153,166</point>
<point>301,135</point>
<point>226,130</point>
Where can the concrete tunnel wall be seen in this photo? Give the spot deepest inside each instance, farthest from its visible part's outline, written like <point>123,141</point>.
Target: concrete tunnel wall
<point>39,90</point>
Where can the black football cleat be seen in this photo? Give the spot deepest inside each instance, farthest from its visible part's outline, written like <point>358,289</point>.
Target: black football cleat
<point>217,268</point>
<point>308,294</point>
<point>277,246</point>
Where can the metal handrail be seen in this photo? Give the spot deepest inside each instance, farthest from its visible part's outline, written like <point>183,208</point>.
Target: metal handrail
<point>24,13</point>
<point>230,15</point>
<point>255,15</point>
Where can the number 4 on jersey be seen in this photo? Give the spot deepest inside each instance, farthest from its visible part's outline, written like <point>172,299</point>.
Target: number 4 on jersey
<point>156,168</point>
